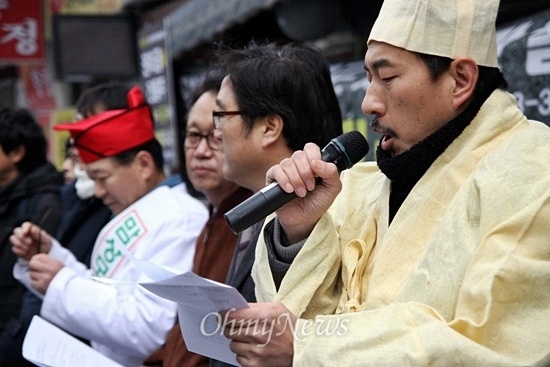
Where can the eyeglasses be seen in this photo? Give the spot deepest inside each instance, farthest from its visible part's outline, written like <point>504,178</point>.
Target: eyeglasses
<point>217,114</point>
<point>193,139</point>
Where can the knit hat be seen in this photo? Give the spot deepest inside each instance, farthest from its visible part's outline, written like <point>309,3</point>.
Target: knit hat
<point>114,131</point>
<point>449,28</point>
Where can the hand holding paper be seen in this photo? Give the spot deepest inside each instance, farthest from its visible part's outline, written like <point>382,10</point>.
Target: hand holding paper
<point>200,303</point>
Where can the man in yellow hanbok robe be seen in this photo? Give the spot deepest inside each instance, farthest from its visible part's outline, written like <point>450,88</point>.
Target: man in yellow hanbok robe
<point>437,255</point>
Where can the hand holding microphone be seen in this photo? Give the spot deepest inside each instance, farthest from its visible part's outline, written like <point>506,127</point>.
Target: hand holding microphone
<point>344,151</point>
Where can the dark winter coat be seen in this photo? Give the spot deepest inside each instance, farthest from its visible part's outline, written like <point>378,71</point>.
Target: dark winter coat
<point>81,221</point>
<point>32,196</point>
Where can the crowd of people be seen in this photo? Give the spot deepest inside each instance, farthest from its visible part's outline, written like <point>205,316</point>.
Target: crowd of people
<point>435,254</point>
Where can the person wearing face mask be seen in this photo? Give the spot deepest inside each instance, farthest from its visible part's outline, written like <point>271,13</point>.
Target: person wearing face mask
<point>83,185</point>
<point>82,216</point>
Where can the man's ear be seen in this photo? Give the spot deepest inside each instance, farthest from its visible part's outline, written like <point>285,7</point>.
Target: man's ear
<point>272,129</point>
<point>465,73</point>
<point>145,163</point>
<point>17,154</point>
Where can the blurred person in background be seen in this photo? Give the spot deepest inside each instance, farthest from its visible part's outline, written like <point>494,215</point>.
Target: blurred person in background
<point>70,160</point>
<point>82,214</point>
<point>29,190</point>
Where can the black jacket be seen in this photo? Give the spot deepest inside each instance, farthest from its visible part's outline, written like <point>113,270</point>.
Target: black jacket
<point>32,196</point>
<point>239,275</point>
<point>81,221</point>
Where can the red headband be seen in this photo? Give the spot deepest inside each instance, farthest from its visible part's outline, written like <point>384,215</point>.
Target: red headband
<point>114,131</point>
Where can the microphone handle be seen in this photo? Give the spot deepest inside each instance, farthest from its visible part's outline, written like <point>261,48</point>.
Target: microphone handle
<point>258,206</point>
<point>272,197</point>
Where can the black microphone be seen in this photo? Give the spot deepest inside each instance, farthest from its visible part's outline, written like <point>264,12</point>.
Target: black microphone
<point>344,151</point>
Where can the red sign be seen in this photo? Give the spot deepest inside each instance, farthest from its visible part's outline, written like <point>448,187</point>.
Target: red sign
<point>38,87</point>
<point>21,31</point>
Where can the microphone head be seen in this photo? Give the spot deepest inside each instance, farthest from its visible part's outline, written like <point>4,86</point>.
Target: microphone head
<point>346,150</point>
<point>355,146</point>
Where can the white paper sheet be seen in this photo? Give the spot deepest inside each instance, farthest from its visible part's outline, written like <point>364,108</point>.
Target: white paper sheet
<point>199,302</point>
<point>48,346</point>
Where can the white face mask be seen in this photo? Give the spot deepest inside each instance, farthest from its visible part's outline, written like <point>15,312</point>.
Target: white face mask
<point>84,185</point>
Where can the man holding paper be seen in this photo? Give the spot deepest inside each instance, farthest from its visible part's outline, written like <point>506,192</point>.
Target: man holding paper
<point>438,254</point>
<point>152,222</point>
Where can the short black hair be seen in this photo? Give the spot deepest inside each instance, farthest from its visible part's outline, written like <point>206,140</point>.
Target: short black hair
<point>437,65</point>
<point>489,77</point>
<point>286,79</point>
<point>211,81</point>
<point>19,128</point>
<point>111,95</point>
<point>152,146</point>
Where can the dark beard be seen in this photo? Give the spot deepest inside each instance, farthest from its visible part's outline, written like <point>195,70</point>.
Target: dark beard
<point>407,168</point>
<point>410,165</point>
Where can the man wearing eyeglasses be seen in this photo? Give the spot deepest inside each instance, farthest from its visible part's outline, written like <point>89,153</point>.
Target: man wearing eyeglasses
<point>216,243</point>
<point>274,99</point>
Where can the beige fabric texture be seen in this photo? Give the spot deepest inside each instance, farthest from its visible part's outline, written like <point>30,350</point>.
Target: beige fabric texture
<point>461,276</point>
<point>450,28</point>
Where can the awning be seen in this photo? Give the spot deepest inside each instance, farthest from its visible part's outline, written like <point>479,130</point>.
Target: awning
<point>198,21</point>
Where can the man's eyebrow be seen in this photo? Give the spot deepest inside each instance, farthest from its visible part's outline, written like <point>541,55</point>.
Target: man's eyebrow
<point>97,171</point>
<point>379,63</point>
<point>219,103</point>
